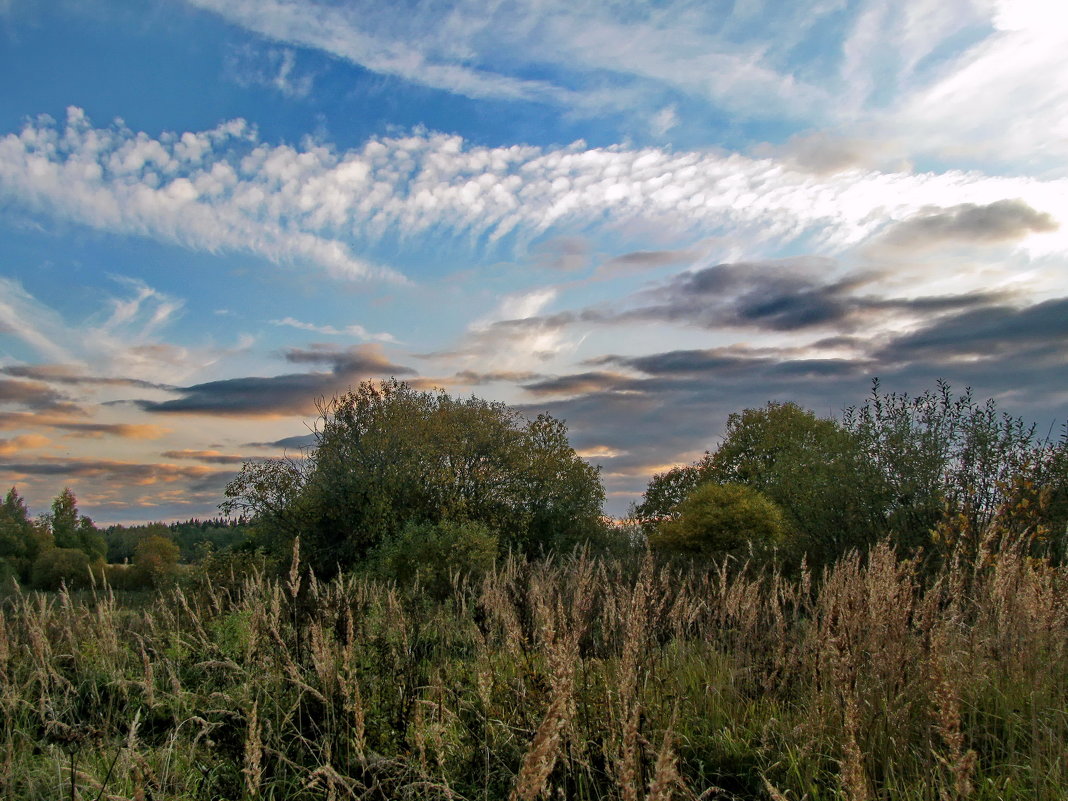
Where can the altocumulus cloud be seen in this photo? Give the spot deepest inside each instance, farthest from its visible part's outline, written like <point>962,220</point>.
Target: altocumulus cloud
<point>223,190</point>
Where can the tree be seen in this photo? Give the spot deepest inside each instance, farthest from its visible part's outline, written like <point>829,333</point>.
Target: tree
<point>434,553</point>
<point>155,558</point>
<point>722,520</point>
<point>388,455</point>
<point>939,454</point>
<point>57,567</point>
<point>21,540</point>
<point>71,530</point>
<point>812,468</point>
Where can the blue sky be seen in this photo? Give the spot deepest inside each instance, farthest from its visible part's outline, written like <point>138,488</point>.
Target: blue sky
<point>637,216</point>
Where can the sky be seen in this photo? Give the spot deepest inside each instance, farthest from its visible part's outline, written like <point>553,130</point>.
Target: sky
<point>636,216</point>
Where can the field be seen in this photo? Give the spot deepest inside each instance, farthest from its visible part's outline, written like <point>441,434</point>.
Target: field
<point>569,678</point>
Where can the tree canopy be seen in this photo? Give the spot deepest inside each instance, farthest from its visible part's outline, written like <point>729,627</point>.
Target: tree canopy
<point>388,455</point>
<point>896,466</point>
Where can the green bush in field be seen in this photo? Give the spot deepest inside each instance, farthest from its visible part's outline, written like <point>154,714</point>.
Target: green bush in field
<point>435,552</point>
<point>720,520</point>
<point>155,560</point>
<point>61,566</point>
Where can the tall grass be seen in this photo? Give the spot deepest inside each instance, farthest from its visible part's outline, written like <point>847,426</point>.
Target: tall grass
<point>570,678</point>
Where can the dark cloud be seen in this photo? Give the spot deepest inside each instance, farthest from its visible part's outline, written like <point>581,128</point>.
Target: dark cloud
<point>997,222</point>
<point>18,420</point>
<point>578,384</point>
<point>208,457</point>
<point>34,395</point>
<point>474,378</point>
<point>789,295</point>
<point>135,473</point>
<point>69,374</point>
<point>357,360</point>
<point>1039,331</point>
<point>298,442</point>
<point>648,259</point>
<point>294,393</point>
<point>780,296</point>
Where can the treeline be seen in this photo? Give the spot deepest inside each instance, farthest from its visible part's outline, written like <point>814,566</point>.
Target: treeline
<point>65,548</point>
<point>932,474</point>
<point>406,483</point>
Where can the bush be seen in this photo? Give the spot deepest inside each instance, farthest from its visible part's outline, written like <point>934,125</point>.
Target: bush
<point>155,560</point>
<point>57,567</point>
<point>433,553</point>
<point>722,520</point>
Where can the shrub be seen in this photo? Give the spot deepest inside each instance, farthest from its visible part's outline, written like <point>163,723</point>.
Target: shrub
<point>61,566</point>
<point>722,519</point>
<point>155,558</point>
<point>435,552</point>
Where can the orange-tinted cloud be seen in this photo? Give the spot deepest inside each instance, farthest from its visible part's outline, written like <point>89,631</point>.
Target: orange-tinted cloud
<point>26,442</point>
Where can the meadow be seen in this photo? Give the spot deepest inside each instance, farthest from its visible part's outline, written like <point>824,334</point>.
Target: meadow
<point>573,677</point>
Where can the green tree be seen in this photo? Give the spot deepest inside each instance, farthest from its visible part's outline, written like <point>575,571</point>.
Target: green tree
<point>21,540</point>
<point>434,553</point>
<point>940,454</point>
<point>388,455</point>
<point>722,520</point>
<point>72,530</point>
<point>155,559</point>
<point>812,468</point>
<point>61,566</point>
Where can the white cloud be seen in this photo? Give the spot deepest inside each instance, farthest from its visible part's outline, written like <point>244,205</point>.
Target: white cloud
<point>941,75</point>
<point>217,190</point>
<point>357,331</point>
<point>177,188</point>
<point>121,339</point>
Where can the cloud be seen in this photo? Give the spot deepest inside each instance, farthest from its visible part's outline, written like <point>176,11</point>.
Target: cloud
<point>26,442</point>
<point>565,253</point>
<point>577,384</point>
<point>130,473</point>
<point>221,190</point>
<point>293,393</point>
<point>357,331</point>
<point>1038,333</point>
<point>177,188</point>
<point>275,68</point>
<point>34,395</point>
<point>298,442</point>
<point>1002,221</point>
<point>74,375</point>
<point>79,428</point>
<point>648,259</point>
<point>784,295</point>
<point>209,456</point>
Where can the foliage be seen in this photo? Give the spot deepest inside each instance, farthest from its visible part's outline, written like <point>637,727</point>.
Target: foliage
<point>155,559</point>
<point>388,455</point>
<point>722,520</point>
<point>940,454</point>
<point>56,567</point>
<point>812,468</point>
<point>21,540</point>
<point>191,536</point>
<point>72,530</point>
<point>436,554</point>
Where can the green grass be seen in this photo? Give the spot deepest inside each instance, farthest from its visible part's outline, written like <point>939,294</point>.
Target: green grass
<point>592,680</point>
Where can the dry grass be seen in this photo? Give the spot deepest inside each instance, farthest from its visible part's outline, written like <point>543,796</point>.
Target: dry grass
<point>573,678</point>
